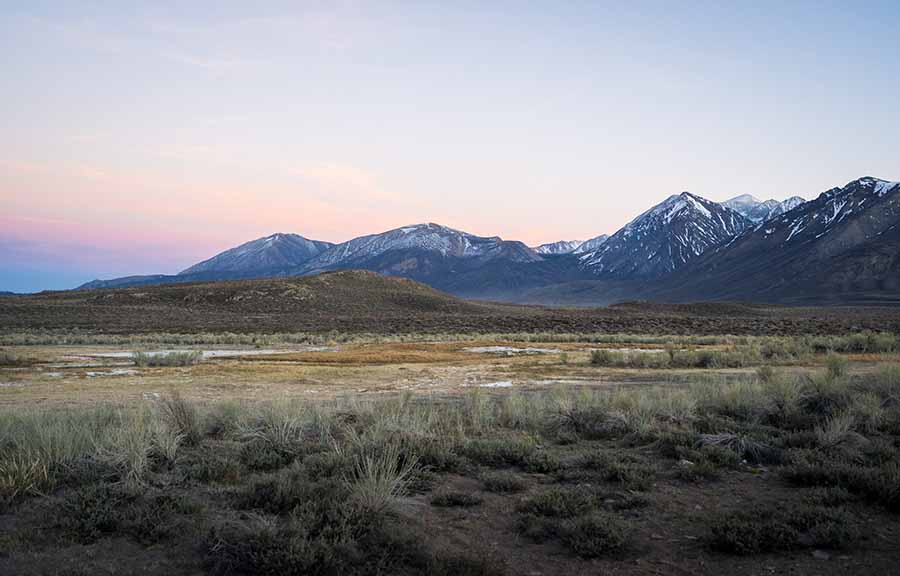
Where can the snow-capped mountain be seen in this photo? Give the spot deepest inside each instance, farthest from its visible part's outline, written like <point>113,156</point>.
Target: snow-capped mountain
<point>448,259</point>
<point>761,211</point>
<point>429,238</point>
<point>664,238</point>
<point>845,241</point>
<point>843,246</point>
<point>572,246</point>
<point>275,251</point>
<point>561,247</point>
<point>591,245</point>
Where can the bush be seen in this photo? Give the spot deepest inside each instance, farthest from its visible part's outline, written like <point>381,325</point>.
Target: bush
<point>880,485</point>
<point>211,466</point>
<point>773,529</point>
<point>187,358</point>
<point>21,475</point>
<point>503,482</point>
<point>837,366</point>
<point>281,492</point>
<point>181,416</point>
<point>742,446</point>
<point>380,477</point>
<point>697,470</point>
<point>452,499</point>
<point>500,452</point>
<point>631,473</point>
<point>328,537</point>
<point>560,503</point>
<point>594,535</point>
<point>262,456</point>
<point>92,512</point>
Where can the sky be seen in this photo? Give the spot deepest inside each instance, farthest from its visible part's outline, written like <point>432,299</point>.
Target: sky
<point>143,137</point>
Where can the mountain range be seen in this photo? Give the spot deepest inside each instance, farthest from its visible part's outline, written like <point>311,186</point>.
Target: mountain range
<point>841,247</point>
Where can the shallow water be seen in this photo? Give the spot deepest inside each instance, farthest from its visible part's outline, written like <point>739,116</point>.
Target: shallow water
<point>215,353</point>
<point>502,384</point>
<point>118,372</point>
<point>509,350</point>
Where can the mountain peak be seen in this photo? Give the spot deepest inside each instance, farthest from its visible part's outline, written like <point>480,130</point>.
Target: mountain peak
<point>743,200</point>
<point>560,247</point>
<point>278,250</point>
<point>665,237</point>
<point>876,185</point>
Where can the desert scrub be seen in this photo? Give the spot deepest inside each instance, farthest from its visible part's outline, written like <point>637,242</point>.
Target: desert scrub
<point>877,484</point>
<point>92,512</point>
<point>181,417</point>
<point>500,452</point>
<point>772,528</point>
<point>741,446</point>
<point>570,516</point>
<point>380,477</point>
<point>186,358</point>
<point>594,535</point>
<point>627,470</point>
<point>455,499</point>
<point>326,535</point>
<point>503,482</point>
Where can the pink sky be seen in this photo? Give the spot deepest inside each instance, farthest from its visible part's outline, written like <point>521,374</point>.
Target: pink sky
<point>142,139</point>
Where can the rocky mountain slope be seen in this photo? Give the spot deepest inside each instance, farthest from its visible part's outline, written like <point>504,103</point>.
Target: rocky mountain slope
<point>561,247</point>
<point>758,211</point>
<point>271,252</point>
<point>664,238</point>
<point>837,247</point>
<point>842,246</point>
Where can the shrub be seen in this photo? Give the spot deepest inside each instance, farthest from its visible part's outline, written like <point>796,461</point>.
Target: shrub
<point>211,466</point>
<point>128,446</point>
<point>326,536</point>
<point>765,373</point>
<point>837,366</point>
<point>541,462</point>
<point>594,535</point>
<point>181,416</point>
<point>277,424</point>
<point>379,478</point>
<point>224,419</point>
<point>503,482</point>
<point>21,475</point>
<point>187,358</point>
<point>880,485</point>
<point>838,431</point>
<point>697,470</point>
<point>260,455</point>
<point>91,512</point>
<point>500,452</point>
<point>631,473</point>
<point>450,499</point>
<point>772,529</point>
<point>559,503</point>
<point>281,492</point>
<point>743,446</point>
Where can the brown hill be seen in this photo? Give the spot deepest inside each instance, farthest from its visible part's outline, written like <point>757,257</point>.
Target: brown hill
<point>365,302</point>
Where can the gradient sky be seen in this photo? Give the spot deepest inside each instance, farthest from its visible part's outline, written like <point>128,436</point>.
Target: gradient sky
<point>141,138</point>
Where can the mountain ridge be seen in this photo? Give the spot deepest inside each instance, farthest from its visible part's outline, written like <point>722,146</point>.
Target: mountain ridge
<point>684,248</point>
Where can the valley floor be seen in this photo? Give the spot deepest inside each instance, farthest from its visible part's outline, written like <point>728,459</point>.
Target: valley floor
<point>487,455</point>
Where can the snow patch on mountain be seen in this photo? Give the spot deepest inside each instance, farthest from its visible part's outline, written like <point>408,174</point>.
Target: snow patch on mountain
<point>759,211</point>
<point>428,237</point>
<point>561,247</point>
<point>665,237</point>
<point>591,245</point>
<point>275,251</point>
